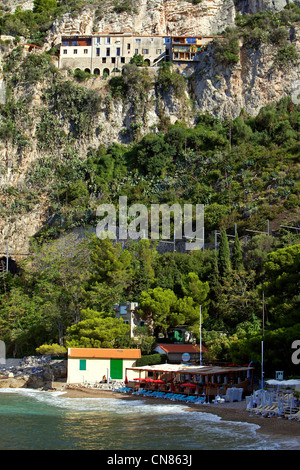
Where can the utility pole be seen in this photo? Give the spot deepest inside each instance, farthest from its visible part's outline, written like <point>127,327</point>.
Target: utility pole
<point>200,336</point>
<point>262,344</point>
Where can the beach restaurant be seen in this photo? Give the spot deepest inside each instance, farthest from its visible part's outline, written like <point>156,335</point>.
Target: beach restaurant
<point>190,379</point>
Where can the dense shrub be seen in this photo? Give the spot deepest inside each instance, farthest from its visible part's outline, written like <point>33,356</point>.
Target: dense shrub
<point>74,104</point>
<point>169,80</point>
<point>53,349</point>
<point>150,360</point>
<point>33,24</point>
<point>258,28</point>
<point>226,49</point>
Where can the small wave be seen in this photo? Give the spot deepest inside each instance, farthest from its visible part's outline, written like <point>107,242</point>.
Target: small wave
<point>148,416</point>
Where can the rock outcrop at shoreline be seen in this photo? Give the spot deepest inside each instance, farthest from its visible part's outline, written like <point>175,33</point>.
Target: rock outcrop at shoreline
<point>33,372</point>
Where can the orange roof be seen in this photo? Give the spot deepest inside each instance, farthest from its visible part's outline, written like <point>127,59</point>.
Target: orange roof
<point>98,353</point>
<point>181,348</point>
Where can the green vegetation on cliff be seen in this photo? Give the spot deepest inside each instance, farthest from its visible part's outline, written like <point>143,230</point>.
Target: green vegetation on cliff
<point>265,27</point>
<point>245,171</point>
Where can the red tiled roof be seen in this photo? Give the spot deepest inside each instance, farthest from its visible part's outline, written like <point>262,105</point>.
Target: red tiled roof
<point>181,348</point>
<point>99,353</point>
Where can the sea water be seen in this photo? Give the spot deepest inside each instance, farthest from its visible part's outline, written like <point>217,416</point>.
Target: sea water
<point>39,420</point>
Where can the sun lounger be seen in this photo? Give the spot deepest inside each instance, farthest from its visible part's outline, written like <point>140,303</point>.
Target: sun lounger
<point>138,392</point>
<point>293,415</point>
<point>182,398</point>
<point>179,397</point>
<point>278,411</point>
<point>269,410</point>
<point>147,393</point>
<point>200,400</point>
<point>175,396</point>
<point>191,399</point>
<point>168,395</point>
<point>122,390</point>
<point>259,409</point>
<point>297,416</point>
<point>158,394</point>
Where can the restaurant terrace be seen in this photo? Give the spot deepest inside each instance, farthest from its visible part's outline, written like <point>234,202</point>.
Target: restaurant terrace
<point>183,378</point>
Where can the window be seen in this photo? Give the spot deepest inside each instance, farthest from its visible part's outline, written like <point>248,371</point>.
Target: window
<point>118,51</point>
<point>82,364</point>
<point>137,40</point>
<point>85,51</point>
<point>122,60</point>
<point>158,51</point>
<point>75,51</point>
<point>107,52</point>
<point>136,51</point>
<point>107,41</point>
<point>128,46</point>
<point>65,51</point>
<point>103,60</point>
<point>145,51</point>
<point>113,60</point>
<point>167,40</point>
<point>98,51</point>
<point>97,41</point>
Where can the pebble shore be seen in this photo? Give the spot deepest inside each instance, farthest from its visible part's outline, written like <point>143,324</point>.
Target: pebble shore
<point>235,411</point>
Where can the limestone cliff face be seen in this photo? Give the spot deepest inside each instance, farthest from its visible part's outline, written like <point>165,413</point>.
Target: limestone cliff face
<point>170,17</point>
<point>157,17</point>
<point>116,121</point>
<point>251,84</point>
<point>214,88</point>
<point>253,6</point>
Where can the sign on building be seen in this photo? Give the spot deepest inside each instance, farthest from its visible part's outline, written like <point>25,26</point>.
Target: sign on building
<point>185,357</point>
<point>279,375</point>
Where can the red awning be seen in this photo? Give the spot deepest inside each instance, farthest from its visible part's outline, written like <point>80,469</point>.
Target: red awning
<point>189,385</point>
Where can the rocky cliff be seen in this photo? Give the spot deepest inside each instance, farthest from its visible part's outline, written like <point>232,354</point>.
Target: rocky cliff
<point>161,17</point>
<point>221,89</point>
<point>251,84</point>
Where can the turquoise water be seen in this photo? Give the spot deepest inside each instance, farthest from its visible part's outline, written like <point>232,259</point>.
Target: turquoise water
<point>35,420</point>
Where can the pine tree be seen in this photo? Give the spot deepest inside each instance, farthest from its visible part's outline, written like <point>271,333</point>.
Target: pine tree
<point>237,254</point>
<point>223,255</point>
<point>215,291</point>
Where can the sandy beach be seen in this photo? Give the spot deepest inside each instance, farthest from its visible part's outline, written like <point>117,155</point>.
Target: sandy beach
<point>235,411</point>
